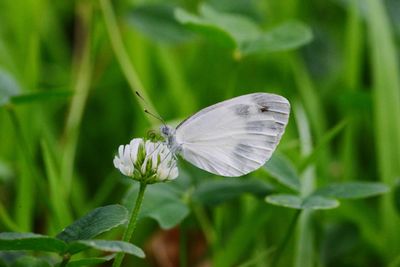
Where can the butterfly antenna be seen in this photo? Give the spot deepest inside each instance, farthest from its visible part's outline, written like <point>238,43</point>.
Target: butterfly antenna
<point>154,115</point>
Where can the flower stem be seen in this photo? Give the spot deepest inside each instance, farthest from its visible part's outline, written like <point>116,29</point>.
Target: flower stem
<point>131,224</point>
<point>65,260</point>
<point>83,72</point>
<point>285,240</point>
<point>182,246</point>
<point>205,224</point>
<point>25,199</point>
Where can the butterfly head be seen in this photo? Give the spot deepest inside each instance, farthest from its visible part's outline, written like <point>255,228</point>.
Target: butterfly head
<point>166,131</point>
<point>169,134</point>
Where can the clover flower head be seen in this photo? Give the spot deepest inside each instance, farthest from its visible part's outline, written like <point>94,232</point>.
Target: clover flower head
<point>146,161</point>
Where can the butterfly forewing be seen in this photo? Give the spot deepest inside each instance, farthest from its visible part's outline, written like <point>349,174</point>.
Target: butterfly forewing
<point>234,137</point>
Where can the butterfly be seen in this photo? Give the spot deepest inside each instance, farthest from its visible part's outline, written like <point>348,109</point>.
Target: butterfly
<point>231,138</point>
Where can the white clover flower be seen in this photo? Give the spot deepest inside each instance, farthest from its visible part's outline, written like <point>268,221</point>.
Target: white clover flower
<point>146,161</point>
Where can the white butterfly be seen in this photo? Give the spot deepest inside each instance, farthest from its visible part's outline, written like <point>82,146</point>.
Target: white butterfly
<point>233,137</point>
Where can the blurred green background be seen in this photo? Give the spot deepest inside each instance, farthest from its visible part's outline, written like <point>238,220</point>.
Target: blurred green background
<point>68,73</point>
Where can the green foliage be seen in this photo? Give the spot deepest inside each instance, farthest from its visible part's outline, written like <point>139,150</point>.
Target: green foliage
<point>325,140</point>
<point>105,245</point>
<point>240,33</point>
<point>352,190</point>
<point>90,261</point>
<point>215,192</point>
<point>158,22</point>
<point>31,262</point>
<point>59,208</point>
<point>94,223</point>
<point>40,96</point>
<point>296,202</point>
<point>386,97</point>
<point>30,241</point>
<point>287,36</point>
<point>396,195</point>
<point>340,239</point>
<point>324,198</point>
<point>242,236</point>
<point>75,238</point>
<point>281,169</point>
<point>161,203</point>
<point>10,92</point>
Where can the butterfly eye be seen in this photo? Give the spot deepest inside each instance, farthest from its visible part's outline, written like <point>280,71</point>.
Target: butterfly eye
<point>165,131</point>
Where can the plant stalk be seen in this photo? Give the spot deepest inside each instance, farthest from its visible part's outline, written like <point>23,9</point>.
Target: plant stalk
<point>65,260</point>
<point>205,224</point>
<point>183,246</point>
<point>127,67</point>
<point>131,224</point>
<point>26,187</point>
<point>286,239</point>
<point>81,84</point>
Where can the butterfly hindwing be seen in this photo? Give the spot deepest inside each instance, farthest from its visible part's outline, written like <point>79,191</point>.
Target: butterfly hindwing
<point>236,136</point>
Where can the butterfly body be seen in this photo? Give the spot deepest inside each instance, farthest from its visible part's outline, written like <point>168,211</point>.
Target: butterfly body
<point>169,134</point>
<point>233,137</point>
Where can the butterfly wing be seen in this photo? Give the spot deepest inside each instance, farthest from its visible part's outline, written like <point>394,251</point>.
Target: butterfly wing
<point>236,136</point>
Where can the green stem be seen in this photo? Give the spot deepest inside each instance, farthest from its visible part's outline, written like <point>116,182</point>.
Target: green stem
<point>395,262</point>
<point>182,246</point>
<point>132,223</point>
<point>205,224</point>
<point>25,192</point>
<point>6,220</point>
<point>81,86</point>
<point>286,239</point>
<point>104,191</point>
<point>65,260</point>
<point>123,58</point>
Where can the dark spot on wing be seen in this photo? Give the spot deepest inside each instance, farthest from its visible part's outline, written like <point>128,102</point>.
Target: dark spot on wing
<point>271,102</point>
<point>264,109</point>
<point>242,110</point>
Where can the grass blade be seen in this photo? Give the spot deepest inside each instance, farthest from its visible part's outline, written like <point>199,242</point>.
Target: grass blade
<point>304,244</point>
<point>386,96</point>
<point>58,201</point>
